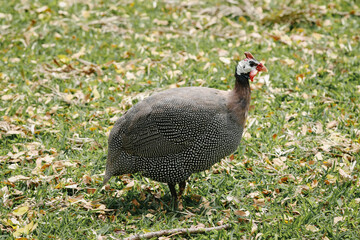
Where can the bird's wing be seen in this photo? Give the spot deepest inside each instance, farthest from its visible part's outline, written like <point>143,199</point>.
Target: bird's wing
<point>169,126</point>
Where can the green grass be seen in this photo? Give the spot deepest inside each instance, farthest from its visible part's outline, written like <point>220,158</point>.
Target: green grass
<point>68,71</point>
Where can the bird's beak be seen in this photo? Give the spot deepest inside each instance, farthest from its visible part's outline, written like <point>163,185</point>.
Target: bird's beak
<point>261,68</point>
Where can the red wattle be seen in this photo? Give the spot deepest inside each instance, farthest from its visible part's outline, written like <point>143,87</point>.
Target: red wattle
<point>253,74</point>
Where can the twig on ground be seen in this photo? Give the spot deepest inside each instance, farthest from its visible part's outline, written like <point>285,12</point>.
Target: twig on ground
<point>192,230</point>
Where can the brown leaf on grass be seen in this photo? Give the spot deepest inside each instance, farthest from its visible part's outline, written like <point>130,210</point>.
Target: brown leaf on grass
<point>38,166</point>
<point>7,97</point>
<point>107,20</point>
<point>318,156</point>
<point>325,147</point>
<point>86,179</point>
<point>259,202</point>
<point>339,141</point>
<point>311,228</point>
<point>57,165</point>
<point>283,179</point>
<point>241,213</point>
<point>160,22</point>
<point>66,68</point>
<point>338,219</point>
<point>266,192</point>
<point>25,230</point>
<point>149,215</point>
<point>318,128</point>
<point>4,191</point>
<point>254,227</point>
<point>344,174</point>
<point>328,163</point>
<point>79,54</point>
<point>6,196</point>
<point>16,178</point>
<point>90,190</point>
<point>14,132</point>
<point>331,179</point>
<point>17,157</point>
<point>221,11</point>
<point>279,161</point>
<point>332,124</point>
<point>129,186</point>
<point>348,158</point>
<point>77,199</point>
<point>72,186</point>
<point>314,183</point>
<point>253,194</point>
<point>43,9</point>
<point>225,60</point>
<point>135,202</point>
<point>20,211</point>
<point>304,130</point>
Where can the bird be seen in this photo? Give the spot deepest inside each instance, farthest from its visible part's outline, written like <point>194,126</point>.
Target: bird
<point>180,131</point>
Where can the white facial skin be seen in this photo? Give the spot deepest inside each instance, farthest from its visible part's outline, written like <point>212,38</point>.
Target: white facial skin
<point>246,66</point>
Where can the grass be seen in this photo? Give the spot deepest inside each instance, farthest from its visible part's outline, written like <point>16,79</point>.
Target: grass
<point>69,70</point>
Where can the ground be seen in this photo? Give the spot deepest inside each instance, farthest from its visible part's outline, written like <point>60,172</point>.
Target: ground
<point>69,69</point>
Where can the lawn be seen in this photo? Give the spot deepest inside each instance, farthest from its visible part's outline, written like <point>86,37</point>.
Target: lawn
<point>69,69</point>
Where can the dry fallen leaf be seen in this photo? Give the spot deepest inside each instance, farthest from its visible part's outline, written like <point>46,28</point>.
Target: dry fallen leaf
<point>314,183</point>
<point>20,211</point>
<point>86,179</point>
<point>311,228</point>
<point>254,227</point>
<point>318,156</point>
<point>279,161</point>
<point>242,213</point>
<point>90,190</point>
<point>18,178</point>
<point>344,174</point>
<point>25,230</point>
<point>332,124</point>
<point>14,132</point>
<point>259,202</point>
<point>129,186</point>
<point>319,128</point>
<point>225,60</point>
<point>283,179</point>
<point>199,225</point>
<point>7,97</point>
<point>338,219</point>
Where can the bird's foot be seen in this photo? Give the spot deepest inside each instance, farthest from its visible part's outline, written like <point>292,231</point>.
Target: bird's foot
<point>180,203</point>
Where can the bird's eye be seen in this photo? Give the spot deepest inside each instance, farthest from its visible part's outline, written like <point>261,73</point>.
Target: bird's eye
<point>252,63</point>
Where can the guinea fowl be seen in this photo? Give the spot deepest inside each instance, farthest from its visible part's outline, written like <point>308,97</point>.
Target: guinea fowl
<point>180,131</point>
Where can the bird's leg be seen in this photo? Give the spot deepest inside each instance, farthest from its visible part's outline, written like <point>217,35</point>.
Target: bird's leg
<point>181,188</point>
<point>181,191</point>
<point>173,193</point>
<point>172,190</point>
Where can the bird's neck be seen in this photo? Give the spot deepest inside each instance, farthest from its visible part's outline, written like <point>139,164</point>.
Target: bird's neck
<point>239,98</point>
<point>242,86</point>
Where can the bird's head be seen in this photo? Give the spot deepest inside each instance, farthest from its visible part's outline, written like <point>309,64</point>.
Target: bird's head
<point>249,67</point>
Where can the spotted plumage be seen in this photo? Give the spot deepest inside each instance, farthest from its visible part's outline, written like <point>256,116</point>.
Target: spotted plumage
<point>177,132</point>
